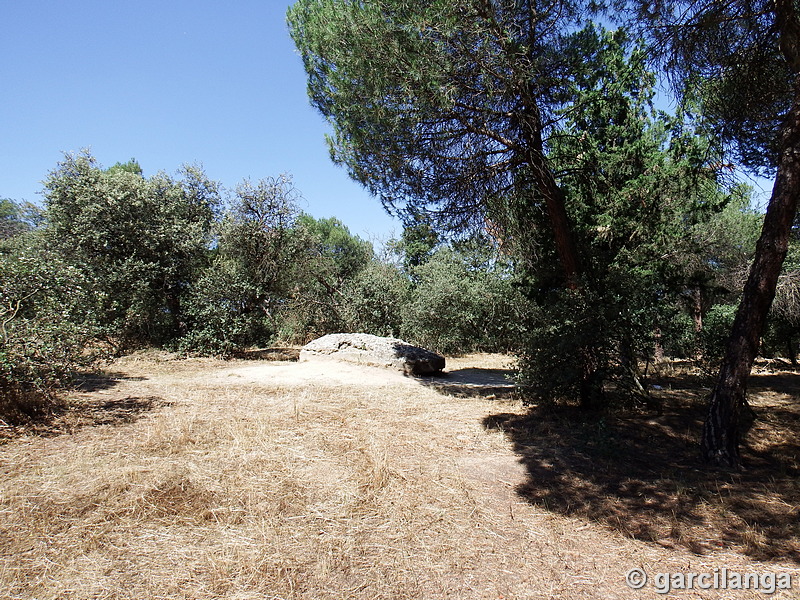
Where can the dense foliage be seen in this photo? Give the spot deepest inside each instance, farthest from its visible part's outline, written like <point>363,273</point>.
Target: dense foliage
<point>537,129</point>
<point>740,62</point>
<point>139,241</point>
<point>44,332</point>
<point>118,260</point>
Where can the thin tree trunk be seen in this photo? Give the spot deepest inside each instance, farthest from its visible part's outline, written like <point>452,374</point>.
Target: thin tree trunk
<point>697,309</point>
<point>658,347</point>
<point>720,439</point>
<point>697,317</point>
<point>792,352</point>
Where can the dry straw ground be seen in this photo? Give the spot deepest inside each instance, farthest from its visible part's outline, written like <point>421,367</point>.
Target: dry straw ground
<point>263,479</point>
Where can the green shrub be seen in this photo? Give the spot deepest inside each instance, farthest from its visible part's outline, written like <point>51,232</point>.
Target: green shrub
<point>678,335</point>
<point>374,299</point>
<point>141,241</point>
<point>458,306</point>
<point>717,325</point>
<point>589,345</point>
<point>443,313</point>
<point>222,313</point>
<point>46,334</point>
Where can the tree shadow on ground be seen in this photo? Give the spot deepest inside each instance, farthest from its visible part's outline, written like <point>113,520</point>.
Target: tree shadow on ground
<point>277,354</point>
<point>641,474</point>
<point>473,383</point>
<point>101,380</point>
<point>78,407</point>
<point>111,411</point>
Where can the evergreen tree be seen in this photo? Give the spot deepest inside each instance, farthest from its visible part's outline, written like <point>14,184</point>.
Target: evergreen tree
<point>510,118</point>
<point>449,106</point>
<point>741,61</point>
<point>636,182</point>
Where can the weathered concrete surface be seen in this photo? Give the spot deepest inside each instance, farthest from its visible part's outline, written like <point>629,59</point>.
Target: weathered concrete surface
<point>373,350</point>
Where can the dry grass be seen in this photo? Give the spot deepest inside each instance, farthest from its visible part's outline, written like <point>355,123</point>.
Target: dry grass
<point>205,479</point>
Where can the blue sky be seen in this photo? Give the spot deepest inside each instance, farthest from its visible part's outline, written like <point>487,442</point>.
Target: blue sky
<point>167,83</point>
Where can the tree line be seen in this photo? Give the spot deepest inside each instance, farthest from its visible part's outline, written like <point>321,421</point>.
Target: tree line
<point>117,260</point>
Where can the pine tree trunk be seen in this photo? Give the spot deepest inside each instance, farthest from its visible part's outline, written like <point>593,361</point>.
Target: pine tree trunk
<point>554,200</point>
<point>720,440</point>
<point>562,234</point>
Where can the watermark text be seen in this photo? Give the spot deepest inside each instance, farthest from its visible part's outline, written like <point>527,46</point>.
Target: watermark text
<point>766,582</point>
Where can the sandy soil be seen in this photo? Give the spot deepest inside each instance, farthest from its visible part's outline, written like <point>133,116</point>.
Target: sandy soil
<point>460,373</point>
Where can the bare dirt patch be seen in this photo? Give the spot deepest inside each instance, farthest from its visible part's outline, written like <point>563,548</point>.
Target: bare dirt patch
<point>262,479</point>
<point>324,372</point>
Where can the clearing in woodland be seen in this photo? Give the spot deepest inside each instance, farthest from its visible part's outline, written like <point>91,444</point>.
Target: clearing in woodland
<point>271,479</point>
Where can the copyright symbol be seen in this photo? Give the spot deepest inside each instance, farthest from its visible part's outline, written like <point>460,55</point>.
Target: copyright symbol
<point>636,578</point>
